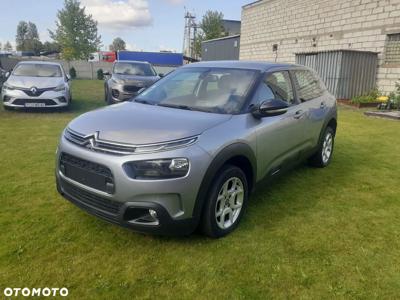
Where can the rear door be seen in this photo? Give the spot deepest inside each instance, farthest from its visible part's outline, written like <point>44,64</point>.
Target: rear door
<point>311,96</point>
<point>279,138</point>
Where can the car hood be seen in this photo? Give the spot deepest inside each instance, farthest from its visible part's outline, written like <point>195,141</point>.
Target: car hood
<point>135,123</point>
<point>39,82</point>
<point>132,79</point>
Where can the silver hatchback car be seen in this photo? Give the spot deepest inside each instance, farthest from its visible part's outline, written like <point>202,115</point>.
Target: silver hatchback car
<point>188,151</point>
<point>36,84</point>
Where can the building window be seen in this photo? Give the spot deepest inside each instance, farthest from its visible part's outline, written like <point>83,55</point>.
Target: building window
<point>392,53</point>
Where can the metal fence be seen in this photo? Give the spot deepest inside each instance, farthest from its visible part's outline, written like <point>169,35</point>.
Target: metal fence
<point>346,73</point>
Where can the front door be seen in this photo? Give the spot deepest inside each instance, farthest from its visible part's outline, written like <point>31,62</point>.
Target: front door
<point>279,138</point>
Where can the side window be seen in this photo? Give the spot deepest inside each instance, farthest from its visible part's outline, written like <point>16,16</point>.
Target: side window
<point>307,85</point>
<point>275,86</point>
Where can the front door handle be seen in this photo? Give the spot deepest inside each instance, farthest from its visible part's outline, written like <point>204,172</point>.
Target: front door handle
<point>299,114</point>
<point>322,105</point>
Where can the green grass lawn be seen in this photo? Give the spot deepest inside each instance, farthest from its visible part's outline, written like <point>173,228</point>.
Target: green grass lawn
<point>314,233</point>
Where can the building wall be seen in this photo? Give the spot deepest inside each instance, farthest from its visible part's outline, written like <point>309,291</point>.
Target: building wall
<point>319,25</point>
<point>221,49</point>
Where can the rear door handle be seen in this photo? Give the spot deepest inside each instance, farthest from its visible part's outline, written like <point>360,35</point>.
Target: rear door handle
<point>322,105</point>
<point>299,114</point>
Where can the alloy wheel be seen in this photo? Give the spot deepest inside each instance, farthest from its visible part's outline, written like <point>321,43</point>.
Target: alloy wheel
<point>229,202</point>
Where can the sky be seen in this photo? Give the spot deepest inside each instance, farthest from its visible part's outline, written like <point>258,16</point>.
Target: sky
<point>147,25</point>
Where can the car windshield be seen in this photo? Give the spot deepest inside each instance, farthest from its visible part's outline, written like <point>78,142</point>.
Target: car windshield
<point>218,90</point>
<point>140,69</point>
<point>37,70</point>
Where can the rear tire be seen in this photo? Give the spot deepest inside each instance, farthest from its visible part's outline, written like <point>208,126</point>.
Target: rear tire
<point>323,156</point>
<point>226,202</point>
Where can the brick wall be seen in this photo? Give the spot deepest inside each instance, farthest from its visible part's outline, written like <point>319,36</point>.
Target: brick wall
<point>320,25</point>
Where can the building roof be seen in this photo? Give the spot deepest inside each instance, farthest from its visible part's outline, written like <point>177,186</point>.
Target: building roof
<point>241,64</point>
<point>222,38</point>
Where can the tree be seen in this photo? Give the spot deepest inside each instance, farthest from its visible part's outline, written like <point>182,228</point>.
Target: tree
<point>211,27</point>
<point>7,46</point>
<point>51,47</point>
<point>27,37</point>
<point>118,44</point>
<point>33,42</point>
<point>20,38</point>
<point>76,32</point>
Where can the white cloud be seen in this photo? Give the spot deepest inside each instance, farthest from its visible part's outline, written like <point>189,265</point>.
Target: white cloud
<point>132,47</point>
<point>167,49</point>
<point>175,2</point>
<point>120,14</point>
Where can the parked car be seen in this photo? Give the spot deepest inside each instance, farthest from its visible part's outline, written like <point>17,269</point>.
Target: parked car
<point>36,84</point>
<point>127,79</point>
<point>3,76</point>
<point>189,150</point>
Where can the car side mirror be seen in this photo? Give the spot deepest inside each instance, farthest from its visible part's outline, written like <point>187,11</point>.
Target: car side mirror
<point>270,108</point>
<point>68,77</point>
<point>106,73</point>
<point>161,75</point>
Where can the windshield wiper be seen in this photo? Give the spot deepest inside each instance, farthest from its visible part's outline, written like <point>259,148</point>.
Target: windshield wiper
<point>180,106</point>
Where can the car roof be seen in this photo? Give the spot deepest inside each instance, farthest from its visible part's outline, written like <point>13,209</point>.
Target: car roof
<point>133,61</point>
<point>39,62</point>
<point>243,64</point>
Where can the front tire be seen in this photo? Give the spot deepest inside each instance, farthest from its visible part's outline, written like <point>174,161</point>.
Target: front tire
<point>323,156</point>
<point>227,199</point>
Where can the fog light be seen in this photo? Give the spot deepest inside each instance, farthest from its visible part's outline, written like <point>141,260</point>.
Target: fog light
<point>115,93</point>
<point>6,98</point>
<point>153,213</point>
<point>62,99</point>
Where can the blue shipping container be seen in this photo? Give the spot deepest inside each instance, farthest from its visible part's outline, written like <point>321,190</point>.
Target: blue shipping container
<point>155,58</point>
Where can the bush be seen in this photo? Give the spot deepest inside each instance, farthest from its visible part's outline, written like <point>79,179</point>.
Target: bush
<point>72,73</point>
<point>100,74</point>
<point>367,98</point>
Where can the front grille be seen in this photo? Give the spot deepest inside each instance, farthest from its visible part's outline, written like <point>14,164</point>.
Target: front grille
<point>87,173</point>
<point>132,88</point>
<point>47,102</point>
<point>36,92</point>
<point>92,142</point>
<point>109,208</point>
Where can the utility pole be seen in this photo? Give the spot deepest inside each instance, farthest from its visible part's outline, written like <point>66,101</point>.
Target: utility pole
<point>190,34</point>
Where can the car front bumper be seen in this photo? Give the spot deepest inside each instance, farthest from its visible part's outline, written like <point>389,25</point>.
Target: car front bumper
<point>119,92</point>
<point>48,99</point>
<point>173,200</point>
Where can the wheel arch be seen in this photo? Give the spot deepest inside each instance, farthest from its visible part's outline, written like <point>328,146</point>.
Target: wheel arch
<point>238,154</point>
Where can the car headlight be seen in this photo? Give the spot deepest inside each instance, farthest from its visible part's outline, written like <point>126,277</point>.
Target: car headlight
<point>60,88</point>
<point>6,86</point>
<point>117,81</point>
<point>158,168</point>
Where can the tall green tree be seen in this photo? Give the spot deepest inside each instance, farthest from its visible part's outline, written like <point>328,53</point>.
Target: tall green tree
<point>76,32</point>
<point>27,38</point>
<point>22,35</point>
<point>211,27</point>
<point>118,44</point>
<point>7,46</point>
<point>51,46</point>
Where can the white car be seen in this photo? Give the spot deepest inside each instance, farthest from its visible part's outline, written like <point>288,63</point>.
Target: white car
<point>36,84</point>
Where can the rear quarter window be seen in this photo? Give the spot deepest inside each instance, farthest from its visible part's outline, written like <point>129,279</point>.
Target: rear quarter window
<point>308,85</point>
